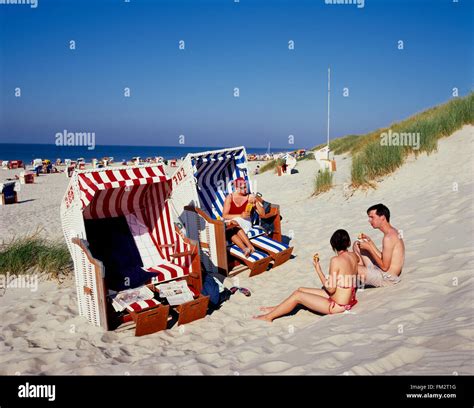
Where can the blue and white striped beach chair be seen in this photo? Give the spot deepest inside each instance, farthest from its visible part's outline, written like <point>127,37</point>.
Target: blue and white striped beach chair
<point>200,186</point>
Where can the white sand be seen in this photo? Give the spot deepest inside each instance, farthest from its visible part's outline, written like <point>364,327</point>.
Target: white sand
<point>424,325</point>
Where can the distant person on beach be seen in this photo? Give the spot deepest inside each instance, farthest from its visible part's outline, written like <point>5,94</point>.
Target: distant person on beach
<point>339,288</point>
<point>237,211</point>
<point>380,268</point>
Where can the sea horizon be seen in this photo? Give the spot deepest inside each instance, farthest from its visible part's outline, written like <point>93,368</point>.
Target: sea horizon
<point>30,151</point>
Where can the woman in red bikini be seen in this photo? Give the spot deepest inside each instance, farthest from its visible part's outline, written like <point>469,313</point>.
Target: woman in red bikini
<point>236,211</point>
<point>339,289</point>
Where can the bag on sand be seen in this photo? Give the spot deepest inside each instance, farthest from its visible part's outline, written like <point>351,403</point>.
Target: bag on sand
<point>267,223</point>
<point>217,293</point>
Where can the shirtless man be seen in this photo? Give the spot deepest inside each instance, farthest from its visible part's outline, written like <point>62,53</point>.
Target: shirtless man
<point>380,268</point>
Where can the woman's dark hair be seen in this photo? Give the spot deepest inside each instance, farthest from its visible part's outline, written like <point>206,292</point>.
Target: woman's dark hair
<point>340,240</point>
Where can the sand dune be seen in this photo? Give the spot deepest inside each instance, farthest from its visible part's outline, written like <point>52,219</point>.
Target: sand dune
<point>424,325</point>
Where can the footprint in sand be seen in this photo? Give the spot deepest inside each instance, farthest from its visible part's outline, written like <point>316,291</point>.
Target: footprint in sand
<point>340,340</point>
<point>191,370</point>
<point>274,340</point>
<point>296,370</point>
<point>327,363</point>
<point>389,362</point>
<point>164,368</point>
<point>237,342</point>
<point>342,355</point>
<point>273,367</point>
<point>212,359</point>
<point>247,356</point>
<point>85,371</point>
<point>109,338</point>
<point>284,348</point>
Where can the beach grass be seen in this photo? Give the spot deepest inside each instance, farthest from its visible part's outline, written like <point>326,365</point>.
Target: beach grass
<point>25,254</point>
<point>271,165</point>
<point>306,157</point>
<point>372,159</point>
<point>344,144</point>
<point>316,148</point>
<point>323,182</point>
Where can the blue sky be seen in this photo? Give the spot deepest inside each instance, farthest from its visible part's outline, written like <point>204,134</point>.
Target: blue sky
<point>228,45</point>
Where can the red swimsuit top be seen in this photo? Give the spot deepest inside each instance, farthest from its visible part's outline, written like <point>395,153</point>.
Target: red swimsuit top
<point>234,209</point>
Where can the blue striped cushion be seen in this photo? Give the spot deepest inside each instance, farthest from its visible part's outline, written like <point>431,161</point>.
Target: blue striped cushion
<point>255,231</point>
<point>269,244</point>
<point>255,256</point>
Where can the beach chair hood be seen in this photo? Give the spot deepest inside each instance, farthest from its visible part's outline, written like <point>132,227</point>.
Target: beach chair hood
<point>204,179</point>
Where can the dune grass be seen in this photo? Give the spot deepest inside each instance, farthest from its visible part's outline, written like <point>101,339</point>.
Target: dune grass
<point>319,146</point>
<point>372,159</point>
<point>271,165</point>
<point>34,253</point>
<point>344,144</point>
<point>306,157</point>
<point>323,182</point>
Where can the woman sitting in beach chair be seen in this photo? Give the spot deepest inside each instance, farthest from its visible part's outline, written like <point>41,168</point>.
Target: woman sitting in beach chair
<point>238,207</point>
<point>339,289</point>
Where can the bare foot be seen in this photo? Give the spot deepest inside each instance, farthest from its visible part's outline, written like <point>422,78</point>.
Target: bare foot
<point>267,309</point>
<point>264,317</point>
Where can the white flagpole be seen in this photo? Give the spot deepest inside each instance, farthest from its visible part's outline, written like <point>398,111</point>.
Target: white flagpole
<point>329,98</point>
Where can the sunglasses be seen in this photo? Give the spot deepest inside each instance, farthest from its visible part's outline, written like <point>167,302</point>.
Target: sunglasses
<point>244,291</point>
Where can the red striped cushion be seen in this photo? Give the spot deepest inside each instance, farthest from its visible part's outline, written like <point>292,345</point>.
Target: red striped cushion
<point>142,305</point>
<point>167,271</point>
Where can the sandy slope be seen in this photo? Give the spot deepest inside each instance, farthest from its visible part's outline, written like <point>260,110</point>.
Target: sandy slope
<point>422,326</point>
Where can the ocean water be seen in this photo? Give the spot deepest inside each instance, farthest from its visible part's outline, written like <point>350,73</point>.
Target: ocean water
<point>29,152</point>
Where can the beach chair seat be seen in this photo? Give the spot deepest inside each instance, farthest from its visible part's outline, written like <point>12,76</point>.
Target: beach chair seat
<point>279,252</point>
<point>167,271</point>
<point>256,231</point>
<point>257,261</point>
<point>152,258</point>
<point>142,305</point>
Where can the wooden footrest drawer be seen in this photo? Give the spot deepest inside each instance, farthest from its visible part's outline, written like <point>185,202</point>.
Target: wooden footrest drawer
<point>193,310</point>
<point>151,320</point>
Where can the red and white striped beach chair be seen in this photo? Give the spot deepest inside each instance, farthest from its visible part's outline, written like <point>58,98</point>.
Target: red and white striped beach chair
<point>120,232</point>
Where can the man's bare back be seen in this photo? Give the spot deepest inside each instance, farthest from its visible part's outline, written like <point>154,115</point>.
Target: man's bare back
<point>393,245</point>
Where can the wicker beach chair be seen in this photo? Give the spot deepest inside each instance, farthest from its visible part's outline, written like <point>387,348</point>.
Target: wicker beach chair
<point>290,162</point>
<point>9,192</point>
<point>200,186</point>
<point>119,230</point>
